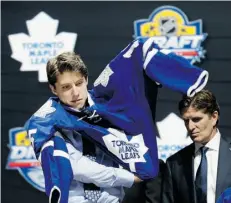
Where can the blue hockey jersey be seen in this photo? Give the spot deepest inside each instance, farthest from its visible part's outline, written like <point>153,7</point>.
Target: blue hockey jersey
<point>225,197</point>
<point>119,97</point>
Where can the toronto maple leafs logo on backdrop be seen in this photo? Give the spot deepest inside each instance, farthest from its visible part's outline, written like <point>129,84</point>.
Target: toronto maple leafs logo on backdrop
<point>35,50</point>
<point>173,136</point>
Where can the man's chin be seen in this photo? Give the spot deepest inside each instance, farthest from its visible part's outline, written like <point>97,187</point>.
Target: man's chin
<point>76,106</point>
<point>79,107</point>
<point>199,140</point>
<point>196,139</point>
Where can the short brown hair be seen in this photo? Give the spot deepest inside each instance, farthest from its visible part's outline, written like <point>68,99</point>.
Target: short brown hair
<point>67,61</point>
<point>204,100</point>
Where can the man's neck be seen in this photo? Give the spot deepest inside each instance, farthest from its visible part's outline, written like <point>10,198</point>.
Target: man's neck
<point>214,132</point>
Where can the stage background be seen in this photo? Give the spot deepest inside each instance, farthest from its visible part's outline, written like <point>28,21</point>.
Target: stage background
<point>103,28</point>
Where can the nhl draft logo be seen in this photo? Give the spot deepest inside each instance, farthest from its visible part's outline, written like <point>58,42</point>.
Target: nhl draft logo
<point>35,50</point>
<point>170,29</point>
<point>173,136</point>
<point>22,158</point>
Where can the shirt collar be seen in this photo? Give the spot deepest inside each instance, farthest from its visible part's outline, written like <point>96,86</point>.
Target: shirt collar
<point>90,101</point>
<point>212,144</point>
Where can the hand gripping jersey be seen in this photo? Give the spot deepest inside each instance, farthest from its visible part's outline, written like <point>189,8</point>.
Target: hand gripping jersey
<point>119,97</point>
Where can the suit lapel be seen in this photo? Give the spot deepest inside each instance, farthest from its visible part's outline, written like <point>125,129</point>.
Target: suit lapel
<point>189,173</point>
<point>224,165</point>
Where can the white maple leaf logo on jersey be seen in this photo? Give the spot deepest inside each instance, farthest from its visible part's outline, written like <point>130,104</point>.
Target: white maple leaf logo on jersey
<point>104,77</point>
<point>128,151</point>
<point>35,50</point>
<point>45,110</point>
<point>173,136</point>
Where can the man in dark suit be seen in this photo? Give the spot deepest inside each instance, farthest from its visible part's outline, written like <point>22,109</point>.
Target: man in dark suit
<point>148,191</point>
<point>200,172</point>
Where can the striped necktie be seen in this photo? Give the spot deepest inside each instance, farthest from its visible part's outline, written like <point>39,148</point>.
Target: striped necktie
<point>92,192</point>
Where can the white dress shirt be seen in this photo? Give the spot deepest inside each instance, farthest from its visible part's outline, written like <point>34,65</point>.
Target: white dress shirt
<point>111,180</point>
<point>212,160</point>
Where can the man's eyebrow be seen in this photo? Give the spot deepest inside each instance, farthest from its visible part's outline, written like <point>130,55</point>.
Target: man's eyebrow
<point>191,117</point>
<point>80,80</point>
<point>65,84</point>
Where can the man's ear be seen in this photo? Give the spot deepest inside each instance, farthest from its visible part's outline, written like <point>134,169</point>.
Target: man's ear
<point>215,117</point>
<point>53,89</point>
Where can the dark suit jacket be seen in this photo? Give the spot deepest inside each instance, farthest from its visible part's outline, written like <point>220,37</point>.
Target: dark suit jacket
<point>148,191</point>
<point>179,185</point>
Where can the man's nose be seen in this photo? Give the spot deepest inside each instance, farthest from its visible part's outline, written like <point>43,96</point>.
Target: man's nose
<point>75,91</point>
<point>191,125</point>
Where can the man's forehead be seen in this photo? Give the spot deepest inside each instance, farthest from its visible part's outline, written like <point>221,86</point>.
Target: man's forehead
<point>69,77</point>
<point>193,112</point>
